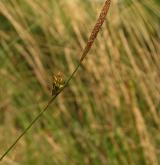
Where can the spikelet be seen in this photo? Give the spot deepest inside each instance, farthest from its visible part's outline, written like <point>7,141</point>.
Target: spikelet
<point>96,28</point>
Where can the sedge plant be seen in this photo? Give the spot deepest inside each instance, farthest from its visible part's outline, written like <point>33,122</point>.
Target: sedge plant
<point>85,51</point>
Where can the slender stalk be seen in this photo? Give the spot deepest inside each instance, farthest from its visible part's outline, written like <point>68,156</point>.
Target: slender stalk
<point>88,46</point>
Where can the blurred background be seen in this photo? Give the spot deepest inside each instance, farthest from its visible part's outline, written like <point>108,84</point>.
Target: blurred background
<point>109,114</point>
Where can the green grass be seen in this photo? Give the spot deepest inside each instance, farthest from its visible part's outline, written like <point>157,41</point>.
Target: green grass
<point>109,114</point>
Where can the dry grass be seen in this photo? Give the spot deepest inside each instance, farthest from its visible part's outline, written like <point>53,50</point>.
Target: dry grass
<point>110,112</point>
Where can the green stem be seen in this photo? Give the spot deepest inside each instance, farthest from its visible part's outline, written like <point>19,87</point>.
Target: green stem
<point>40,114</point>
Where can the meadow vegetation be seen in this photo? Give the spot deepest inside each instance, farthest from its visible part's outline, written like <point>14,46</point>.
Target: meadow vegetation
<point>109,113</point>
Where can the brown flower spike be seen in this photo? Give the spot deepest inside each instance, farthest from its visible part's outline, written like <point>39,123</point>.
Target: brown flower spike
<point>96,28</point>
